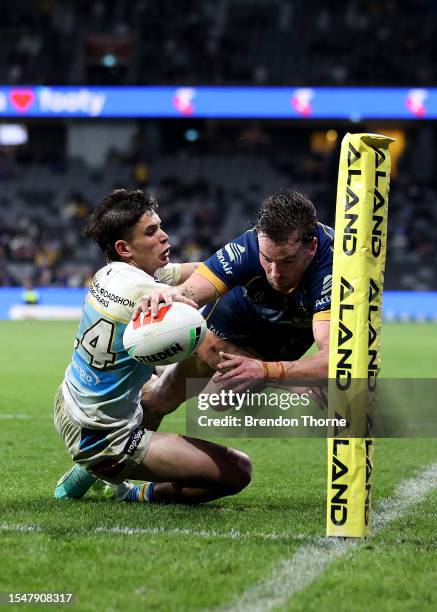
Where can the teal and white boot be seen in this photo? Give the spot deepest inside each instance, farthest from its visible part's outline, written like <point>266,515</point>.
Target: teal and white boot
<point>74,483</point>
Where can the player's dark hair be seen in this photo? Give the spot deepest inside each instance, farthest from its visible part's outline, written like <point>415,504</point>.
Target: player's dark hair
<point>115,216</point>
<point>286,212</point>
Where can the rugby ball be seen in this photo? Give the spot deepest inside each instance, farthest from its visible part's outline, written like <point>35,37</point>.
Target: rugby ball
<point>170,337</point>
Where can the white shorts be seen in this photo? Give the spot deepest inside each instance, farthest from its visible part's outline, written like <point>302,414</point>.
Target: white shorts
<point>109,454</point>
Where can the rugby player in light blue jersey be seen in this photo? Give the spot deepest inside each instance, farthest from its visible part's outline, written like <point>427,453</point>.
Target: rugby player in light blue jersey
<point>268,296</point>
<point>97,408</point>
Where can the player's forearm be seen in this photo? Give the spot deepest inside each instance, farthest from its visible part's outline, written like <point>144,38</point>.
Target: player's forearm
<point>199,296</point>
<point>311,366</point>
<point>198,289</point>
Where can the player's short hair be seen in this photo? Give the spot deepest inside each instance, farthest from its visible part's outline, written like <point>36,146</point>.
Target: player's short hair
<point>286,212</point>
<point>115,216</point>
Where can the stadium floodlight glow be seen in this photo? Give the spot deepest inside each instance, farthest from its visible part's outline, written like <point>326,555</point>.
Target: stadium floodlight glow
<point>191,135</point>
<point>346,103</point>
<point>109,60</point>
<point>12,134</point>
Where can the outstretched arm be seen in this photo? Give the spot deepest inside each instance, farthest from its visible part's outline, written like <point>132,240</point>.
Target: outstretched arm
<point>195,291</point>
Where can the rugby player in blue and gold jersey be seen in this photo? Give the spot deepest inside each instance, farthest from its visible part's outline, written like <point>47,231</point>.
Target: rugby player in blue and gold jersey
<point>267,296</point>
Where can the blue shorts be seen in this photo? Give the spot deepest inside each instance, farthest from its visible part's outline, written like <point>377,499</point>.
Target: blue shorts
<point>233,318</point>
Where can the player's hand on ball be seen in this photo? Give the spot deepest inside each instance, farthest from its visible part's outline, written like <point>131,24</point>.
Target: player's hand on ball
<point>237,366</point>
<point>150,303</point>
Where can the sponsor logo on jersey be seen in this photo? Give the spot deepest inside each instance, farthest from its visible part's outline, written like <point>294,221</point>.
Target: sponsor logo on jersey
<point>324,301</point>
<point>87,377</point>
<point>134,441</point>
<point>225,264</point>
<point>235,251</point>
<point>217,332</point>
<point>326,285</point>
<point>174,349</point>
<point>103,296</point>
<point>325,293</point>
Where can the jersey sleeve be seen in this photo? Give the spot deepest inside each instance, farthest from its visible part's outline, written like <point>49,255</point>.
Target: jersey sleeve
<point>234,264</point>
<point>320,285</point>
<point>169,274</point>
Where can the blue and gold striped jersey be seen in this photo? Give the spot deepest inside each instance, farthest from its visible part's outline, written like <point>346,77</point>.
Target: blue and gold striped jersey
<point>237,267</point>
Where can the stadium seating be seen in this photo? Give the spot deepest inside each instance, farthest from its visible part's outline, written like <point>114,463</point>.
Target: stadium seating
<point>204,202</point>
<point>205,197</point>
<point>264,42</point>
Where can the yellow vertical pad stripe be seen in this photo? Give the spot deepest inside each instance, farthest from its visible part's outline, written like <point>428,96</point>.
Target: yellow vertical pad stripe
<point>358,275</point>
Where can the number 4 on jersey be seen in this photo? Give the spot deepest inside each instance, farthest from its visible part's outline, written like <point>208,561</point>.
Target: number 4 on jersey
<point>97,342</point>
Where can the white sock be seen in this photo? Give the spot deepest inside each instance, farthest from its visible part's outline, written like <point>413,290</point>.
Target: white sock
<point>120,491</point>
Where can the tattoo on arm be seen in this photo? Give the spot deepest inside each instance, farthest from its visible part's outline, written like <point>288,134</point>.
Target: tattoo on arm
<point>192,294</point>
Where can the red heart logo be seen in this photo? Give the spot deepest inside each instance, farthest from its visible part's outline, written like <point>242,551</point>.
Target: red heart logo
<point>22,99</point>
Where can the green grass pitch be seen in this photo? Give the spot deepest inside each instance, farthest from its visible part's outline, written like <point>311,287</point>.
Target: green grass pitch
<point>123,557</point>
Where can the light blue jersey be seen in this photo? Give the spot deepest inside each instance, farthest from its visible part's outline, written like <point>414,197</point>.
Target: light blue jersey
<point>102,383</point>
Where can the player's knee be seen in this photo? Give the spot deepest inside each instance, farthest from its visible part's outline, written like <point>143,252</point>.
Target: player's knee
<point>161,408</point>
<point>155,398</point>
<point>240,472</point>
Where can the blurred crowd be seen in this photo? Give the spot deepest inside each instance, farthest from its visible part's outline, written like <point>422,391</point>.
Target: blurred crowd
<point>263,42</point>
<point>372,42</point>
<point>204,202</point>
<point>207,195</point>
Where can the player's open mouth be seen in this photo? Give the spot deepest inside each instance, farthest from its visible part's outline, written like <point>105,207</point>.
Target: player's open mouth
<point>165,253</point>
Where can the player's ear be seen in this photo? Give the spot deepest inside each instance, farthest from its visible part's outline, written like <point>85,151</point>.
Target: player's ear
<point>123,249</point>
<point>313,245</point>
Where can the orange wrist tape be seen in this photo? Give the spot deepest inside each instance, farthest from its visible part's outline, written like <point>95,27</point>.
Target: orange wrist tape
<point>273,369</point>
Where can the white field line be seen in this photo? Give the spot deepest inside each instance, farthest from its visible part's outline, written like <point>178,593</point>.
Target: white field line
<point>291,575</point>
<point>15,416</point>
<point>129,531</point>
<point>311,559</point>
